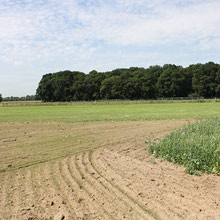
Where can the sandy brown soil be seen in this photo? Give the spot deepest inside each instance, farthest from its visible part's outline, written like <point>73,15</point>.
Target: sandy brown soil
<point>120,180</point>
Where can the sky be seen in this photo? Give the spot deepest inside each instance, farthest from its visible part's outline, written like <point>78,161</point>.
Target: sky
<point>46,36</point>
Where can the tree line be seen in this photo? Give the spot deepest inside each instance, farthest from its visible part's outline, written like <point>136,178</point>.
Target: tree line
<point>23,98</point>
<point>197,80</point>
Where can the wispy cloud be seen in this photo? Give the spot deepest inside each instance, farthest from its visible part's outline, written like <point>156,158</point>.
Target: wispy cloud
<point>51,31</point>
<point>34,29</point>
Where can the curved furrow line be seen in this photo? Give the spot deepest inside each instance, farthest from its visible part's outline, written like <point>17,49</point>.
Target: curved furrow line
<point>2,194</point>
<point>121,203</point>
<point>24,207</point>
<point>41,195</point>
<point>149,212</point>
<point>37,192</point>
<point>53,195</point>
<point>45,192</point>
<point>100,202</point>
<point>100,212</point>
<point>175,199</point>
<point>84,201</point>
<point>9,203</point>
<point>30,201</point>
<point>18,202</point>
<point>141,197</point>
<point>62,189</point>
<point>130,194</point>
<point>3,181</point>
<point>77,198</point>
<point>163,208</point>
<point>118,209</point>
<point>55,199</point>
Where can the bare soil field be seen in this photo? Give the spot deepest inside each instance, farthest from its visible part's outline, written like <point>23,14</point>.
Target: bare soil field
<point>111,177</point>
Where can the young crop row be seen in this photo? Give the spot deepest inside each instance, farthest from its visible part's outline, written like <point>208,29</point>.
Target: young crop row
<point>196,146</point>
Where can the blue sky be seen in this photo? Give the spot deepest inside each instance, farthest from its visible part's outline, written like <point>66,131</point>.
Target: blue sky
<point>42,36</point>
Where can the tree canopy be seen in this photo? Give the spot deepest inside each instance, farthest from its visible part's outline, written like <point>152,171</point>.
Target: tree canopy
<point>201,80</point>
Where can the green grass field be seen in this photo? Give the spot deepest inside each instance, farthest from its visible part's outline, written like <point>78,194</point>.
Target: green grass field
<point>116,112</point>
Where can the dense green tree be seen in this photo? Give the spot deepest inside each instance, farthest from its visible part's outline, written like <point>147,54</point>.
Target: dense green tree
<point>93,83</point>
<point>78,88</point>
<point>204,79</point>
<point>67,86</point>
<point>61,86</point>
<point>131,84</point>
<point>201,80</point>
<point>217,81</point>
<point>62,82</point>
<point>148,82</point>
<point>172,82</point>
<point>1,98</point>
<point>108,88</point>
<point>125,85</point>
<point>46,88</point>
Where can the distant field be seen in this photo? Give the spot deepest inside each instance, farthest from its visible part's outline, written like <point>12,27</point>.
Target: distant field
<point>106,112</point>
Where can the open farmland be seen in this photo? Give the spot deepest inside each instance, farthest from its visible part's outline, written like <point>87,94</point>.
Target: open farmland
<point>109,112</point>
<point>85,163</point>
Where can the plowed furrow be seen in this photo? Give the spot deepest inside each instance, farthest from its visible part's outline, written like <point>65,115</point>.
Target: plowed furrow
<point>155,199</point>
<point>123,207</point>
<point>3,181</point>
<point>30,201</point>
<point>169,197</point>
<point>130,196</point>
<point>9,190</point>
<point>40,190</point>
<point>92,192</point>
<point>37,192</point>
<point>18,188</point>
<point>138,186</point>
<point>54,197</point>
<point>23,204</point>
<point>77,194</point>
<point>90,201</point>
<point>46,192</point>
<point>118,209</point>
<point>105,167</point>
<point>63,190</point>
<point>85,203</point>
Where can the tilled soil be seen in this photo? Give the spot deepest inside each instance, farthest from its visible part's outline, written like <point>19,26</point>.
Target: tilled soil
<point>117,181</point>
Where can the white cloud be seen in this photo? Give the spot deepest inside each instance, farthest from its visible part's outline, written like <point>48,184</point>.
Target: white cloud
<point>38,29</point>
<point>75,31</point>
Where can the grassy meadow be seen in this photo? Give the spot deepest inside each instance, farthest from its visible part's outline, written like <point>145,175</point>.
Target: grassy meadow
<point>106,112</point>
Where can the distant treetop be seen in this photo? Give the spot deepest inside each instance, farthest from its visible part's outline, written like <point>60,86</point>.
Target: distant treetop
<point>200,80</point>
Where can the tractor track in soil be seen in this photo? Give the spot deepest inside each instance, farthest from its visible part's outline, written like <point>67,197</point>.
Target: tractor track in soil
<point>119,180</point>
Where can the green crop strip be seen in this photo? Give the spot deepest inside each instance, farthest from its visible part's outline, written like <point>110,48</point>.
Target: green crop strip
<point>196,146</point>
